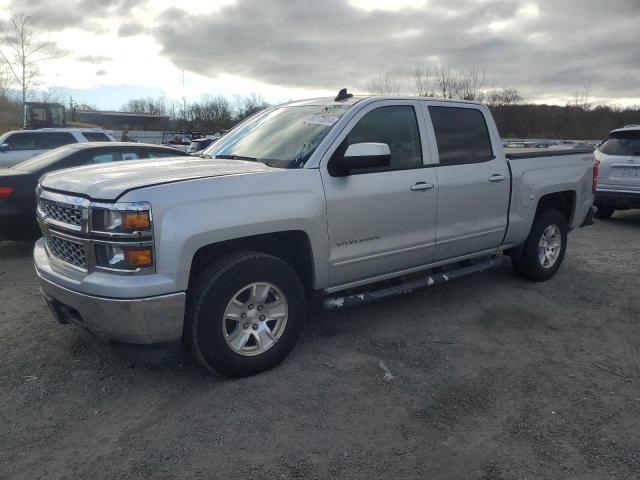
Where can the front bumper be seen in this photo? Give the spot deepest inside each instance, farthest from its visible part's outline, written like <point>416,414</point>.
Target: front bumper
<point>618,200</point>
<point>142,321</point>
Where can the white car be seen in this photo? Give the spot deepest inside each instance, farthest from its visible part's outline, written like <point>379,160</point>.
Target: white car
<point>619,171</point>
<point>20,145</point>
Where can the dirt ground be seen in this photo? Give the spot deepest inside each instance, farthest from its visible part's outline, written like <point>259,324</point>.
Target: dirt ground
<point>490,377</point>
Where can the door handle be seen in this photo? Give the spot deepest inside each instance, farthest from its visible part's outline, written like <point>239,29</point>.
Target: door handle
<point>421,186</point>
<point>497,178</point>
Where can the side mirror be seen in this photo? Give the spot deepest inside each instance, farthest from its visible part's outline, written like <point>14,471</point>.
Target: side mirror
<point>362,155</point>
<point>4,147</point>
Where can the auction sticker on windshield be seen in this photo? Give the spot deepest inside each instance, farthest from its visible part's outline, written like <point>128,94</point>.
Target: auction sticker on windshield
<point>320,119</point>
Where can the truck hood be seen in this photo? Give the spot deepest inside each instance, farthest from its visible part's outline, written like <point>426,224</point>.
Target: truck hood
<point>109,181</point>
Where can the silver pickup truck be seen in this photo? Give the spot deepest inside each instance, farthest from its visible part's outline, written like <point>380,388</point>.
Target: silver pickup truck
<point>344,201</point>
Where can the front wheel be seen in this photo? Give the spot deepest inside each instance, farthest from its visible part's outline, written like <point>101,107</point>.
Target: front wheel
<point>245,314</point>
<point>544,248</point>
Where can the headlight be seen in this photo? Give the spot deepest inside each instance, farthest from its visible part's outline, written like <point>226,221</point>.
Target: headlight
<point>122,219</point>
<point>126,236</point>
<point>124,257</point>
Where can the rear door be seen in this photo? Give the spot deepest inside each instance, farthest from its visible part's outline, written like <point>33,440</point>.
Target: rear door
<point>381,220</point>
<point>473,183</point>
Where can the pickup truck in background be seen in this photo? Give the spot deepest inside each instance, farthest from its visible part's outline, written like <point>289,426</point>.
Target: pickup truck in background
<point>351,199</point>
<point>619,172</point>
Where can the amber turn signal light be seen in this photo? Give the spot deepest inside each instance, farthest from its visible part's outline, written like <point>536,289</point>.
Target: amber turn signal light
<point>136,220</point>
<point>140,257</point>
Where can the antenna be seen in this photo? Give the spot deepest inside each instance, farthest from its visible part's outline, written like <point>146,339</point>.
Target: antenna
<point>343,95</point>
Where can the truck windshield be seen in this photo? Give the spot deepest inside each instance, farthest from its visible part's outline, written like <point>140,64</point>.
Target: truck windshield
<point>283,137</point>
<point>622,143</point>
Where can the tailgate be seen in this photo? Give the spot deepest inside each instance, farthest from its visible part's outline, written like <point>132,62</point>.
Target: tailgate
<point>620,162</point>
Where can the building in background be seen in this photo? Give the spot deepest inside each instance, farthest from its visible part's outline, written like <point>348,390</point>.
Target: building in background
<point>122,121</point>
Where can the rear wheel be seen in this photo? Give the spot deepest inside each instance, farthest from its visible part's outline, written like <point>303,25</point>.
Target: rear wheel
<point>244,314</point>
<point>604,212</point>
<point>544,249</point>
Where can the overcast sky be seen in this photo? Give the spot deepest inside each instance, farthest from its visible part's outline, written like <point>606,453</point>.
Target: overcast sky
<point>290,49</point>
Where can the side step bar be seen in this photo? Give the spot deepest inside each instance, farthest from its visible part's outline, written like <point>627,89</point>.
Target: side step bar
<point>345,301</point>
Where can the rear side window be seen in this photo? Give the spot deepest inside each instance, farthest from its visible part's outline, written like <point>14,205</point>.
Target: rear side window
<point>461,134</point>
<point>49,140</point>
<point>102,158</point>
<point>622,143</point>
<point>396,126</point>
<point>114,156</point>
<point>164,154</point>
<point>96,137</point>
<point>22,141</point>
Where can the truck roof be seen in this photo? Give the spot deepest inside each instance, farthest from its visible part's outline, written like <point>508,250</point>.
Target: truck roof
<point>361,98</point>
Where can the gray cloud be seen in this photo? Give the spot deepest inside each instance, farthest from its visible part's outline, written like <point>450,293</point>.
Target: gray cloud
<point>84,14</point>
<point>330,44</point>
<point>100,73</point>
<point>129,29</point>
<point>94,59</point>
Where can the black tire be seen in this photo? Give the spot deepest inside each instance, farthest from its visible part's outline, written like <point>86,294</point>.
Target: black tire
<point>211,293</point>
<point>528,264</point>
<point>604,212</point>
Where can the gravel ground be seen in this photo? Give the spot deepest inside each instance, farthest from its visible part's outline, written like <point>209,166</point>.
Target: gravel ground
<point>490,377</point>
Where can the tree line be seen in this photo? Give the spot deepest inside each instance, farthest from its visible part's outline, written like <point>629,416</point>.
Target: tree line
<point>209,114</point>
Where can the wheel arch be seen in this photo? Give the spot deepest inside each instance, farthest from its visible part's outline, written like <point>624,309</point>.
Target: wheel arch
<point>564,202</point>
<point>291,246</point>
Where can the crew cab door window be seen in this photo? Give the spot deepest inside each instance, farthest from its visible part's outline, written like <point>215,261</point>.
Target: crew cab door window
<point>396,126</point>
<point>461,134</point>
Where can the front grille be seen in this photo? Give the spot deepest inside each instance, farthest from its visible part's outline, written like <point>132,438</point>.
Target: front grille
<point>67,251</point>
<point>69,214</point>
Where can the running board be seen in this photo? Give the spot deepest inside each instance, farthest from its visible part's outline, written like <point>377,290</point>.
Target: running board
<point>346,301</point>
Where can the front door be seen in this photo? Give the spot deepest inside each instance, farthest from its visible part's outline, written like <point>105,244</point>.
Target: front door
<point>382,220</point>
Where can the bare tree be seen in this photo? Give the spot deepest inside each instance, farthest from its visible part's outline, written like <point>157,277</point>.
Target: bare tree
<point>5,82</point>
<point>471,84</point>
<point>246,106</point>
<point>503,96</point>
<point>23,49</point>
<point>422,82</point>
<point>383,84</point>
<point>151,106</point>
<point>582,99</point>
<point>446,82</point>
<point>53,95</point>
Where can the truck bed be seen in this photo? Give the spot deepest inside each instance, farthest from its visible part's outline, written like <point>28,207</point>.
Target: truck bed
<point>536,174</point>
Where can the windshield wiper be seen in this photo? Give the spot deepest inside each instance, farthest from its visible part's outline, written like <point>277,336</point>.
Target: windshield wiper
<point>236,157</point>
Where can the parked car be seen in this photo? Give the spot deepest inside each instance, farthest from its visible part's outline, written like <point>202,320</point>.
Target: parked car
<point>619,171</point>
<point>197,145</point>
<point>352,199</point>
<point>18,183</point>
<point>20,145</point>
